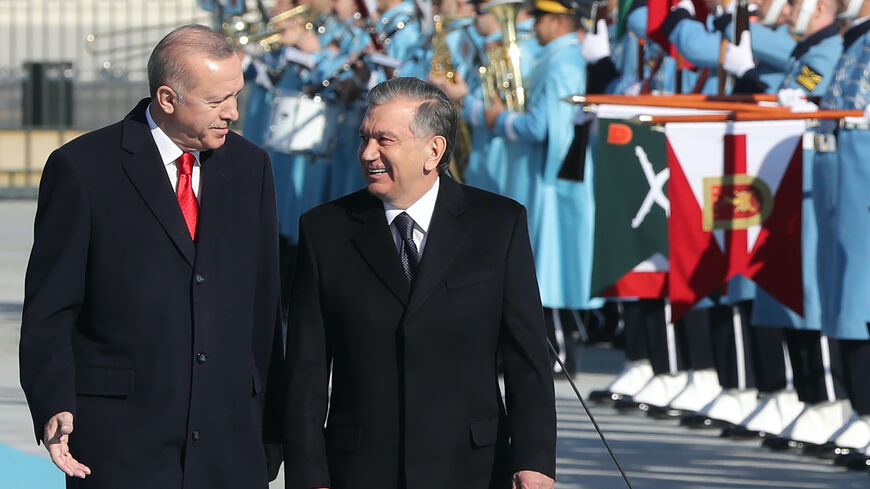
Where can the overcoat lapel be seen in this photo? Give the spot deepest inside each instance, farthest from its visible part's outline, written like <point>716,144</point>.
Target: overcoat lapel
<point>447,231</point>
<point>375,243</point>
<point>145,171</point>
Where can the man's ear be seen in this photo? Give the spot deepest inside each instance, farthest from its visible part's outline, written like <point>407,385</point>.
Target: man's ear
<point>166,99</point>
<point>435,149</point>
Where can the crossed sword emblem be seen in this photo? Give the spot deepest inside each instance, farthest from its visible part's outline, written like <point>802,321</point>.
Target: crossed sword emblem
<point>656,194</point>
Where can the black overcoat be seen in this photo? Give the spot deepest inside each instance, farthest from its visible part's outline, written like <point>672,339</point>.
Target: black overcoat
<point>165,350</point>
<point>415,387</point>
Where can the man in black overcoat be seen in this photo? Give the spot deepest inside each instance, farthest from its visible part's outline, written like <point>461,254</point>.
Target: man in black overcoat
<point>151,342</point>
<point>407,292</point>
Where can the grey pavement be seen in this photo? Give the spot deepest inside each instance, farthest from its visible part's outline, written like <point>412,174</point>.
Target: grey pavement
<point>656,454</point>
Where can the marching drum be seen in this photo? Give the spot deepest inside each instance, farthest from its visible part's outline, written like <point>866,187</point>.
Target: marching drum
<point>301,124</point>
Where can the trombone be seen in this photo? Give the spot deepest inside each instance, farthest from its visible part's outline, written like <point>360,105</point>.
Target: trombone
<point>265,35</point>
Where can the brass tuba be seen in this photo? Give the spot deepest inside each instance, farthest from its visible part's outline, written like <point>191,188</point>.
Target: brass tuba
<point>442,67</point>
<point>502,76</point>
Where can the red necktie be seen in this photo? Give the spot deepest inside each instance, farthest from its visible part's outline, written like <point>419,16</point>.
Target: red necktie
<point>186,197</point>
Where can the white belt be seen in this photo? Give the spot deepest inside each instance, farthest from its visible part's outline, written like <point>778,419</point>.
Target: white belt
<point>820,143</point>
<point>854,123</point>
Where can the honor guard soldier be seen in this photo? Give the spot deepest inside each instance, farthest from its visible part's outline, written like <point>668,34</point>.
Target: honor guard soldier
<point>562,211</point>
<point>772,41</point>
<point>400,29</point>
<point>840,183</point>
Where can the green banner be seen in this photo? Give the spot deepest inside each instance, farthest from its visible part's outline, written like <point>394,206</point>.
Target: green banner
<point>631,206</point>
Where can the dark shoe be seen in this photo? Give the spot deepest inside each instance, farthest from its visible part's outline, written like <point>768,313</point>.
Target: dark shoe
<point>843,456</point>
<point>689,418</point>
<point>826,451</point>
<point>657,412</point>
<point>701,422</point>
<point>853,461</point>
<point>740,433</point>
<point>778,443</point>
<point>603,396</point>
<point>626,404</point>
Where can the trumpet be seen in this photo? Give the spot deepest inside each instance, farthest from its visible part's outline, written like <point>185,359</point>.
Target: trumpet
<point>266,35</point>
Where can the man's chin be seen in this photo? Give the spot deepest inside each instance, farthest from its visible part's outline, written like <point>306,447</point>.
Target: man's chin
<point>376,190</point>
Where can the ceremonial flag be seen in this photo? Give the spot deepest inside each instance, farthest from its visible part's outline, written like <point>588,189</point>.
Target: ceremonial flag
<point>735,195</point>
<point>631,211</point>
<point>658,10</point>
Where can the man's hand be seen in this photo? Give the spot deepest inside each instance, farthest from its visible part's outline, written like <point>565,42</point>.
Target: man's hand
<point>56,440</point>
<point>491,114</point>
<point>291,33</point>
<point>686,5</point>
<point>529,479</point>
<point>308,42</point>
<point>788,97</point>
<point>455,90</point>
<point>596,46</point>
<point>738,58</point>
<point>796,100</point>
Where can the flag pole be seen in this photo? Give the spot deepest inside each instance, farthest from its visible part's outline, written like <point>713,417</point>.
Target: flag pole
<point>675,102</point>
<point>752,116</point>
<point>648,99</point>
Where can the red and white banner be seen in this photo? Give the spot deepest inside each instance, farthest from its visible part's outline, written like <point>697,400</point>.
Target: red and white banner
<point>735,195</point>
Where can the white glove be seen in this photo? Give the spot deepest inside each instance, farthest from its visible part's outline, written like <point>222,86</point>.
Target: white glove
<point>596,45</point>
<point>804,106</point>
<point>788,97</point>
<point>686,5</point>
<point>867,114</point>
<point>635,88</point>
<point>738,58</point>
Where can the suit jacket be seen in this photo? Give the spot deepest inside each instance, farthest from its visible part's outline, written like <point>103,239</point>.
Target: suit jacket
<point>415,392</point>
<point>164,350</point>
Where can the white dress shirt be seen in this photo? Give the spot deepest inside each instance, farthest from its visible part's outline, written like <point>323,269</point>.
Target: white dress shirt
<point>169,152</point>
<point>421,212</point>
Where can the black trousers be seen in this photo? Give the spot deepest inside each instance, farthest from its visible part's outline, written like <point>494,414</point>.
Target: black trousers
<point>646,336</point>
<point>747,357</point>
<point>856,366</point>
<point>807,361</point>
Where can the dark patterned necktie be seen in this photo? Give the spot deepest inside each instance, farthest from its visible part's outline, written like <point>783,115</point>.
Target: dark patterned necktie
<point>184,190</point>
<point>408,252</point>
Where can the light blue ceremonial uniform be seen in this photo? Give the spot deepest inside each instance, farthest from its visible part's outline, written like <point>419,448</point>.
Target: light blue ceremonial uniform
<point>466,48</point>
<point>258,109</point>
<point>229,8</point>
<point>772,49</point>
<point>624,52</point>
<point>403,40</point>
<point>563,214</point>
<point>842,180</point>
<point>345,175</point>
<point>699,45</point>
<point>818,53</point>
<point>300,183</point>
<point>664,80</point>
<point>489,162</point>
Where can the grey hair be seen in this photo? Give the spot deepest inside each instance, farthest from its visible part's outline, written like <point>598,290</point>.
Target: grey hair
<point>436,115</point>
<point>167,64</point>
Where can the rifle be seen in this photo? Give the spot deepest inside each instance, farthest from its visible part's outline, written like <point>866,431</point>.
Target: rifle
<point>739,23</point>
